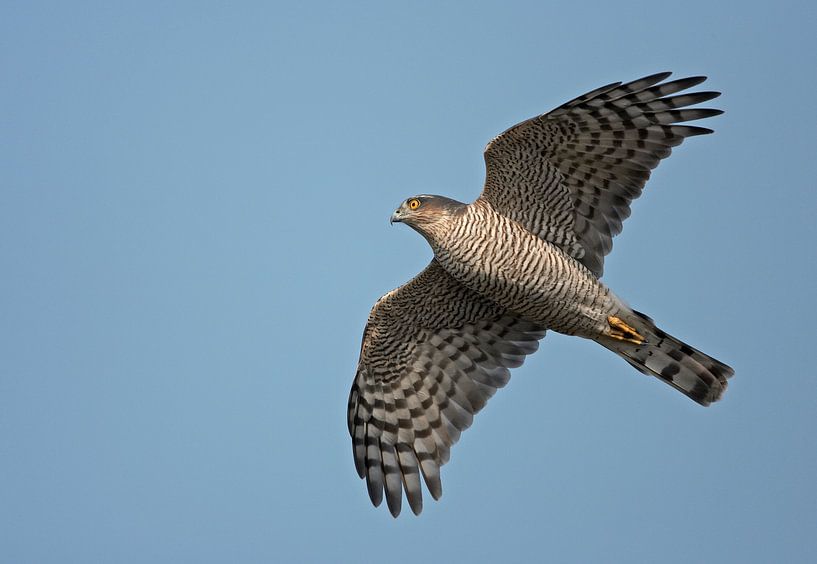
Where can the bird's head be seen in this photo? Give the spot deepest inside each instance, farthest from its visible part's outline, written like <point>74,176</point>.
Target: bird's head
<point>429,215</point>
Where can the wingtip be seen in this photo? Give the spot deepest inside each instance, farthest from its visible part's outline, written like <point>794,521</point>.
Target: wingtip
<point>695,130</point>
<point>659,76</point>
<point>416,504</point>
<point>703,96</point>
<point>375,491</point>
<point>436,491</point>
<point>395,505</point>
<point>694,114</point>
<point>694,80</point>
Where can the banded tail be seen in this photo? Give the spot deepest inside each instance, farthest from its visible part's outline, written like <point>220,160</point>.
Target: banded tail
<point>688,370</point>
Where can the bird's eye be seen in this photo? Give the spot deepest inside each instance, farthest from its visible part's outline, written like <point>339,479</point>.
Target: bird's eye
<point>413,204</point>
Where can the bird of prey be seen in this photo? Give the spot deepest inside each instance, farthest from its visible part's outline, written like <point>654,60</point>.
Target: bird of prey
<point>524,257</point>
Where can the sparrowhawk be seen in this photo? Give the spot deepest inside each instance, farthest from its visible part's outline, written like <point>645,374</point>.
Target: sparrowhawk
<point>525,257</point>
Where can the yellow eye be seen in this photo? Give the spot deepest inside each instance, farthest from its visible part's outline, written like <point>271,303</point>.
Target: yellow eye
<point>413,204</point>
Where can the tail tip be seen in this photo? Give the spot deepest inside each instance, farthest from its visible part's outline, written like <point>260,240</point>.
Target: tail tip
<point>708,393</point>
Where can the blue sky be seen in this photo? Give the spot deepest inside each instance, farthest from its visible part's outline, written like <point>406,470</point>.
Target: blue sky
<point>194,204</point>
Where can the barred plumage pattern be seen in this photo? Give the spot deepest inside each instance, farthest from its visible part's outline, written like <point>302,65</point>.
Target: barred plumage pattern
<point>524,257</point>
<point>569,175</point>
<point>525,274</point>
<point>427,371</point>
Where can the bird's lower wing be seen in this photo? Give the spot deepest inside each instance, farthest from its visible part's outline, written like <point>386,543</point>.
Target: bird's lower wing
<point>433,353</point>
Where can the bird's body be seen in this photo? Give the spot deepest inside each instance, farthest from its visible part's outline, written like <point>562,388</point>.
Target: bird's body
<point>495,256</point>
<point>525,257</point>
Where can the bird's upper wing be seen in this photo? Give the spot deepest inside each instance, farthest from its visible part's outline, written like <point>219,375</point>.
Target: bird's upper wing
<point>569,175</point>
<point>433,352</point>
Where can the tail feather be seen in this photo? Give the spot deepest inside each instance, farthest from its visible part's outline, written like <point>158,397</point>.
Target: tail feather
<point>688,370</point>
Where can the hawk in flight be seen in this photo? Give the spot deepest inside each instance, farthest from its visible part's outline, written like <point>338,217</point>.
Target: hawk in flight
<point>525,257</point>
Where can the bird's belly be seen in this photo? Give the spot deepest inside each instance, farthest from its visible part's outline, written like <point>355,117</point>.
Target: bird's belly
<point>537,281</point>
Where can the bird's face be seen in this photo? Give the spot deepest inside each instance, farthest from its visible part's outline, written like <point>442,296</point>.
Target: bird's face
<point>414,211</point>
<point>429,215</point>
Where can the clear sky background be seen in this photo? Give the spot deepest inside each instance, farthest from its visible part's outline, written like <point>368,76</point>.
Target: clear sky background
<point>194,204</point>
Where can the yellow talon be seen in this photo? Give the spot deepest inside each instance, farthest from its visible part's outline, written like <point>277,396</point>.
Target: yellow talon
<point>623,332</point>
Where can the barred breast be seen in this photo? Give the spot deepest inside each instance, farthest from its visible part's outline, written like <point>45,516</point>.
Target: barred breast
<point>497,258</point>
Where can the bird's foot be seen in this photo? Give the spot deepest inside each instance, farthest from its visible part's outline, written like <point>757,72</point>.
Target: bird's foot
<point>623,332</point>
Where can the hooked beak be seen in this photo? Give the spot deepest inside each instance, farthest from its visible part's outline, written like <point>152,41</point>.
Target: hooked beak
<point>396,216</point>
